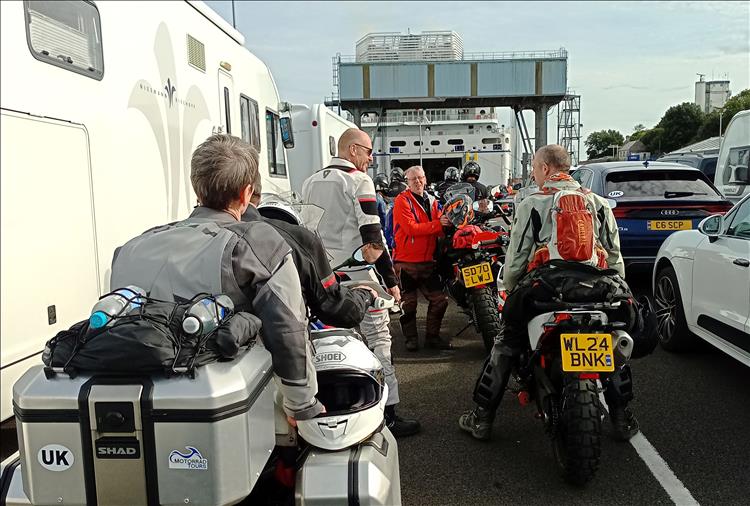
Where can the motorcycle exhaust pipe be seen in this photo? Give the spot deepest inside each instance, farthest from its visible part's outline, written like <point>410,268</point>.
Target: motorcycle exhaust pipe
<point>623,345</point>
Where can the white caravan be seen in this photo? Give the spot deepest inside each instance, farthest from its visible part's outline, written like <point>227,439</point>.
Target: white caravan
<point>316,133</point>
<point>102,106</point>
<point>732,172</point>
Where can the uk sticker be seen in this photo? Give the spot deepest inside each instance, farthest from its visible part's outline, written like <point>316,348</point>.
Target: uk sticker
<point>192,459</point>
<point>55,457</point>
<point>615,194</point>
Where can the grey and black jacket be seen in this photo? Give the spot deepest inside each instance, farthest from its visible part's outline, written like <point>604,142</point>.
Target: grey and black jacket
<point>328,301</point>
<point>351,213</point>
<point>211,252</point>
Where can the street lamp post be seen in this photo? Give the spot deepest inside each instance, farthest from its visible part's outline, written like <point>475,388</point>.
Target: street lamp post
<point>721,113</point>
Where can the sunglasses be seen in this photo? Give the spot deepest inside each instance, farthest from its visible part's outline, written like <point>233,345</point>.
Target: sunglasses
<point>367,150</point>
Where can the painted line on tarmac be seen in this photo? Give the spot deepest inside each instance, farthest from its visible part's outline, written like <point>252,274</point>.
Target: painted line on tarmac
<point>679,494</point>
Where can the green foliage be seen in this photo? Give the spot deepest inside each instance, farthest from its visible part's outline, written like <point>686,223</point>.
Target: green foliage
<point>652,139</point>
<point>598,143</point>
<point>680,124</point>
<point>710,126</point>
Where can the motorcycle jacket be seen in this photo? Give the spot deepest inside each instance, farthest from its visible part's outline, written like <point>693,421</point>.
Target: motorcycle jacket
<point>532,228</point>
<point>415,233</point>
<point>351,213</point>
<point>211,252</point>
<point>328,301</point>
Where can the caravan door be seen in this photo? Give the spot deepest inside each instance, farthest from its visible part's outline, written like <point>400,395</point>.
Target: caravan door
<point>50,277</point>
<point>226,92</point>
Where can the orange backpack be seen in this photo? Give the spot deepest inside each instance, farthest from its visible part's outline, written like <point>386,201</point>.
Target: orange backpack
<point>573,238</point>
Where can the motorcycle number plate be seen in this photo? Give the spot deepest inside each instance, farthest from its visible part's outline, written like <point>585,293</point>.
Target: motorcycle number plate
<point>479,274</point>
<point>587,353</point>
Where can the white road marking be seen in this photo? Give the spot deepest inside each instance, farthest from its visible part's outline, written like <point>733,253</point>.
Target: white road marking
<point>679,494</point>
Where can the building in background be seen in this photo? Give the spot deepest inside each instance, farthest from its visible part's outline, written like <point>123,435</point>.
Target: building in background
<point>711,95</point>
<point>435,138</point>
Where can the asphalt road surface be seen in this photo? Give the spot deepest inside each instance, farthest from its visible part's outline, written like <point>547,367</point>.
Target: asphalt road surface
<point>694,412</point>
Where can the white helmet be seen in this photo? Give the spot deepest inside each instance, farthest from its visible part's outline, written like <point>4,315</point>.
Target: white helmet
<point>276,208</point>
<point>351,385</point>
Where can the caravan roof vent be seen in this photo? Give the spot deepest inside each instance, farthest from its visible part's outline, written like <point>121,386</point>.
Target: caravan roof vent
<point>196,53</point>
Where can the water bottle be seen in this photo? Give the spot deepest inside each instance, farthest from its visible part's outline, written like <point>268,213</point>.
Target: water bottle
<point>118,303</point>
<point>206,315</point>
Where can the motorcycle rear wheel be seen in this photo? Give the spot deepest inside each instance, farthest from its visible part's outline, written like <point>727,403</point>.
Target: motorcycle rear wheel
<point>486,315</point>
<point>577,439</point>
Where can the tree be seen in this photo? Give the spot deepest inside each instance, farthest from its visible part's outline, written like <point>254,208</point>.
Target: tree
<point>652,140</point>
<point>680,124</point>
<point>710,126</point>
<point>598,143</point>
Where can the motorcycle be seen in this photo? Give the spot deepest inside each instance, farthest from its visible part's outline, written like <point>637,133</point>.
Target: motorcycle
<point>470,263</point>
<point>210,438</point>
<point>573,349</point>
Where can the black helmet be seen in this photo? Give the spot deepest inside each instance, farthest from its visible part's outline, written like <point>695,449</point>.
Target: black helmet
<point>452,174</point>
<point>381,182</point>
<point>644,331</point>
<point>397,175</point>
<point>471,169</point>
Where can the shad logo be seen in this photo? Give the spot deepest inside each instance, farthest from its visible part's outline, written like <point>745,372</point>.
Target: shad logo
<point>192,459</point>
<point>55,457</point>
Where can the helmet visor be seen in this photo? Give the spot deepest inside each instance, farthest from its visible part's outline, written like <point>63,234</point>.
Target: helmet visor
<point>345,392</point>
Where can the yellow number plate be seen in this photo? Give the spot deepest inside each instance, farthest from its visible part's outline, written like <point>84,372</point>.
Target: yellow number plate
<point>479,274</point>
<point>587,353</point>
<point>668,225</point>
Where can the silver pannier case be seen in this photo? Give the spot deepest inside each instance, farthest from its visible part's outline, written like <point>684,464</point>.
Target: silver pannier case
<point>146,439</point>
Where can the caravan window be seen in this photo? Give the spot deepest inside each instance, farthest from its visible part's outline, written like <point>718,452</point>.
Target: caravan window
<point>66,34</point>
<point>249,119</point>
<point>274,147</point>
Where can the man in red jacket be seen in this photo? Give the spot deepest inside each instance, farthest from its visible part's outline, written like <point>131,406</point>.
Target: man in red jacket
<point>417,224</point>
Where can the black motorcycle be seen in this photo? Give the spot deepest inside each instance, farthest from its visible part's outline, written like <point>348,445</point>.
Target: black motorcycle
<point>470,262</point>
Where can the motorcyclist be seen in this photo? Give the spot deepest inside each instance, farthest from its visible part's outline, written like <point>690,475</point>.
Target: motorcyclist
<point>470,174</point>
<point>450,177</point>
<point>249,262</point>
<point>381,189</point>
<point>397,183</point>
<point>328,301</point>
<point>531,230</point>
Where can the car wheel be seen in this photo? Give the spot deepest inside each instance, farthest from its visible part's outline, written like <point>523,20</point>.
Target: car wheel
<point>670,313</point>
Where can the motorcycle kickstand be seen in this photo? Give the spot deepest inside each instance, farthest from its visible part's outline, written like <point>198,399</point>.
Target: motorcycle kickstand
<point>466,327</point>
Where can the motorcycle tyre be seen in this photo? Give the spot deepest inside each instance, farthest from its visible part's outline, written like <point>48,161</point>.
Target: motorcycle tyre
<point>487,317</point>
<point>577,440</point>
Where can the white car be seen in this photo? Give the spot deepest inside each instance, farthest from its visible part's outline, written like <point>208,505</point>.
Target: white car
<point>701,284</point>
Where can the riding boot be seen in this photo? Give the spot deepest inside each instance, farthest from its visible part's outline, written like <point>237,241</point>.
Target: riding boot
<point>409,330</point>
<point>488,392</point>
<point>618,392</point>
<point>400,427</point>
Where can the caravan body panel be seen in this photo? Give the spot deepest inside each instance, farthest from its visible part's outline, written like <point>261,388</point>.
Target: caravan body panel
<point>89,163</point>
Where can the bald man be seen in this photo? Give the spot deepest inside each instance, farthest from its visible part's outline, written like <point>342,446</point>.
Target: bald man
<point>347,194</point>
<point>531,232</point>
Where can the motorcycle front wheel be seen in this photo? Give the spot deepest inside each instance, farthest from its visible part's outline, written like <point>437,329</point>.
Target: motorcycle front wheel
<point>577,438</point>
<point>486,314</point>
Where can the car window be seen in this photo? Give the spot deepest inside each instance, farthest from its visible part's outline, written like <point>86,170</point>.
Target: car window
<point>740,222</point>
<point>659,184</point>
<point>583,176</point>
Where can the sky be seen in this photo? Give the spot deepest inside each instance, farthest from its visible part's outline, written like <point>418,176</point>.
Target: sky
<point>629,61</point>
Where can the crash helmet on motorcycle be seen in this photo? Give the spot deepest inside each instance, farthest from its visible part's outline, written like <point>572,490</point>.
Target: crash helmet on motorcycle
<point>451,175</point>
<point>381,182</point>
<point>276,208</point>
<point>351,386</point>
<point>397,175</point>
<point>459,210</point>
<point>471,169</point>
